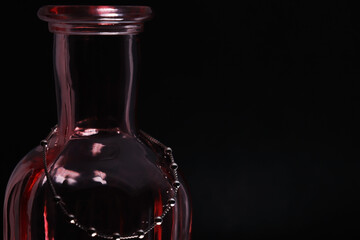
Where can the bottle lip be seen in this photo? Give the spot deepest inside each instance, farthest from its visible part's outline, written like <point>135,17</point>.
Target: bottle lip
<point>94,19</point>
<point>94,13</point>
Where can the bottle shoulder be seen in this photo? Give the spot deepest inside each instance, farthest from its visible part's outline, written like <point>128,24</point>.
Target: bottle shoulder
<point>27,172</point>
<point>28,164</point>
<point>122,162</point>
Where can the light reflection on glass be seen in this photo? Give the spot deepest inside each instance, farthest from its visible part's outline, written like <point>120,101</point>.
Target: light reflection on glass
<point>86,132</point>
<point>99,177</point>
<point>63,175</point>
<point>96,148</point>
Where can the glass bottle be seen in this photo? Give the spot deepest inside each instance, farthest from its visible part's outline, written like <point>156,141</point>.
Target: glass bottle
<point>107,175</point>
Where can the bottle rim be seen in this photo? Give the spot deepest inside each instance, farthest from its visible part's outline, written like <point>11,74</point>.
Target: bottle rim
<point>94,13</point>
<point>94,19</point>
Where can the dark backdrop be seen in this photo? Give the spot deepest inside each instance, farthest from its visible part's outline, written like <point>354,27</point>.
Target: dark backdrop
<point>259,100</point>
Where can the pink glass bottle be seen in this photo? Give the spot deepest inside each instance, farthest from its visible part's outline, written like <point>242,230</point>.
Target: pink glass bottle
<point>106,173</point>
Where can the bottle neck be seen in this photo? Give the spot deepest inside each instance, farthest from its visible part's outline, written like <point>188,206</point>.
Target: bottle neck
<point>95,83</point>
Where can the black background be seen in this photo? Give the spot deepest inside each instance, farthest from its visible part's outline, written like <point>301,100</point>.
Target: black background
<point>259,101</point>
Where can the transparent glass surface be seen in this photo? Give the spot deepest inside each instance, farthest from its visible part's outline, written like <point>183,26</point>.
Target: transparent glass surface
<point>108,176</point>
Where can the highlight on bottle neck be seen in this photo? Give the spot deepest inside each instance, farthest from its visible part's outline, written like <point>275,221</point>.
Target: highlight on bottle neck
<point>95,20</point>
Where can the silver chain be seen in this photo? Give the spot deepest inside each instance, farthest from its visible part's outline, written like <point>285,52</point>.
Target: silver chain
<point>93,232</point>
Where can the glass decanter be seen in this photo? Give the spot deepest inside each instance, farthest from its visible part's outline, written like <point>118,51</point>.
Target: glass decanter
<point>113,180</point>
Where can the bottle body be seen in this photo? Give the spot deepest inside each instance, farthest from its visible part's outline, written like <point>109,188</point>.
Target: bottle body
<point>114,182</point>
